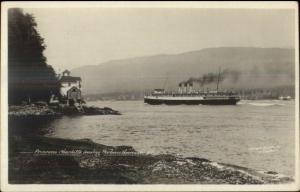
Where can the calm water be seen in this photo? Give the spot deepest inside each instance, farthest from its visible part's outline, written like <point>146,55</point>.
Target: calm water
<point>255,134</point>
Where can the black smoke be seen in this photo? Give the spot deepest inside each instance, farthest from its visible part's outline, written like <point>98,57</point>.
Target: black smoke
<point>227,74</point>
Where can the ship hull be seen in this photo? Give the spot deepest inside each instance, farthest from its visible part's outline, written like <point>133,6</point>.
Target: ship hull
<point>152,101</point>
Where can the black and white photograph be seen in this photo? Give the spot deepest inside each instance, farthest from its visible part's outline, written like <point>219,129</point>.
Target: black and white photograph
<point>147,96</point>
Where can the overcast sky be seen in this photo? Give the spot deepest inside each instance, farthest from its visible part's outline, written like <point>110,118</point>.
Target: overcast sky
<point>83,36</point>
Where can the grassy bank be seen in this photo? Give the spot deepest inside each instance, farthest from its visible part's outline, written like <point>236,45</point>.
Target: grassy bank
<point>83,161</point>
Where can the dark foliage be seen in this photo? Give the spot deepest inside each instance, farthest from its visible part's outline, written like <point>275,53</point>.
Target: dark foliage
<point>29,76</point>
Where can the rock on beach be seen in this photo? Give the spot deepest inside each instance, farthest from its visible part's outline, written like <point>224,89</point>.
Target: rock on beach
<point>32,110</point>
<point>44,110</point>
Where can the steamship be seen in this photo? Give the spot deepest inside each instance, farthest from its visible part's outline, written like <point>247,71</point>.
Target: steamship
<point>188,96</point>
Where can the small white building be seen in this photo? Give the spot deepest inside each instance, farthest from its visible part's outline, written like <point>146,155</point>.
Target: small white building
<point>70,88</point>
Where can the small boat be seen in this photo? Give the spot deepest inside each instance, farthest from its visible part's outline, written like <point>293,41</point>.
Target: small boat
<point>287,98</point>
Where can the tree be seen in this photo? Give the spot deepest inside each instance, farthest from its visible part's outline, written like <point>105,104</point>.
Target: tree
<point>29,76</point>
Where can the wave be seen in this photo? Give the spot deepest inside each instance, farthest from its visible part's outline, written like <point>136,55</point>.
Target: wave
<point>242,103</point>
<point>265,149</point>
<point>266,104</point>
<point>260,103</point>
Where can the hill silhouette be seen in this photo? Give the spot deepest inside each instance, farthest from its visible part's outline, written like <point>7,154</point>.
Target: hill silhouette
<point>248,68</point>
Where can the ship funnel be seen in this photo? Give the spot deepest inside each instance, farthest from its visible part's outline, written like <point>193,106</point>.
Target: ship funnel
<point>180,87</point>
<point>190,87</point>
<point>184,87</point>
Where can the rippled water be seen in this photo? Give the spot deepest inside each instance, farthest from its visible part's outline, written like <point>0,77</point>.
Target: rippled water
<point>255,134</point>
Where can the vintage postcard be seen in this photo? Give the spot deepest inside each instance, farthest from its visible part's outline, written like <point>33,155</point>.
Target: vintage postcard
<point>149,96</point>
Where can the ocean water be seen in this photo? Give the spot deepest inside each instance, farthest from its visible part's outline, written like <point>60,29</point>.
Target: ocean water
<point>254,134</point>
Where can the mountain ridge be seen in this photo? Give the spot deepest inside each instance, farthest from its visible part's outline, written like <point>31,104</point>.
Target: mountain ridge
<point>180,53</point>
<point>148,72</point>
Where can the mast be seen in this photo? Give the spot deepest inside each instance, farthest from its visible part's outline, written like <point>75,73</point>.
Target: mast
<point>166,81</point>
<point>164,87</point>
<point>218,79</point>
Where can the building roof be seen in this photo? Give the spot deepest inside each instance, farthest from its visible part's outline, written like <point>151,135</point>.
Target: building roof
<point>66,71</point>
<point>74,89</point>
<point>69,79</point>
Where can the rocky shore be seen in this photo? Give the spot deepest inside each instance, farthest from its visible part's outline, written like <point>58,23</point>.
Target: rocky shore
<point>47,160</point>
<point>44,110</point>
